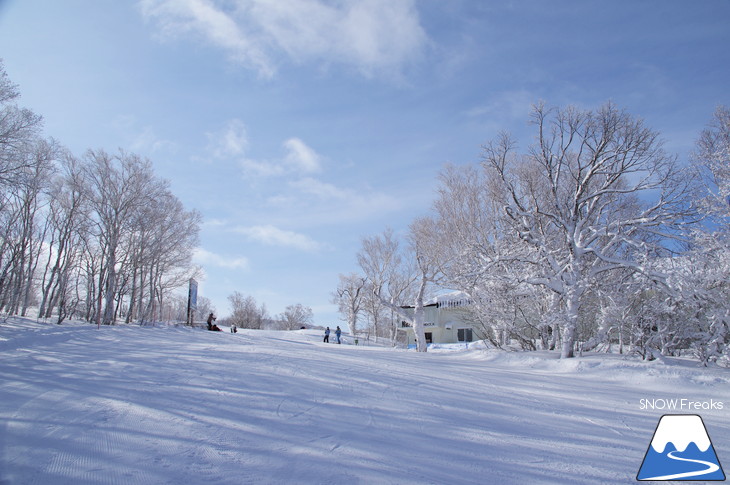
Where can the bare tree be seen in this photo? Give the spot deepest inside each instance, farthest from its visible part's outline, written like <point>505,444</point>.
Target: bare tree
<point>67,223</point>
<point>19,129</point>
<point>348,297</point>
<point>26,226</point>
<point>245,311</point>
<point>296,316</point>
<point>424,243</point>
<point>102,234</point>
<point>23,176</point>
<point>116,186</point>
<point>160,248</point>
<point>399,278</point>
<point>380,318</point>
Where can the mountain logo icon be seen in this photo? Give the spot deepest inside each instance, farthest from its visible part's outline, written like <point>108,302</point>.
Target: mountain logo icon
<point>681,450</point>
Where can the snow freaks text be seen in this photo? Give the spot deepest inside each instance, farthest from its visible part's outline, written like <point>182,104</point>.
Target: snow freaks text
<point>680,404</point>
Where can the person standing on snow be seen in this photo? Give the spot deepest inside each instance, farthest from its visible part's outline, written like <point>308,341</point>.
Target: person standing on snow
<point>211,319</point>
<point>338,332</point>
<point>327,335</point>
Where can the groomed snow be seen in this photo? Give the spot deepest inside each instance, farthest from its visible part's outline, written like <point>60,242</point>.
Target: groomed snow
<point>165,405</point>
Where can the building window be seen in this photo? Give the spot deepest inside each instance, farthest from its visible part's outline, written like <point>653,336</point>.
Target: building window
<point>464,335</point>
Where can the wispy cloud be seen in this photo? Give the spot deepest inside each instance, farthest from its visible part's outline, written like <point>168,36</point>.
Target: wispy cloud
<point>375,36</point>
<point>509,105</point>
<point>319,189</point>
<point>274,236</point>
<point>148,141</point>
<point>326,203</point>
<point>204,257</point>
<point>231,141</point>
<point>203,18</point>
<point>141,139</point>
<point>299,158</point>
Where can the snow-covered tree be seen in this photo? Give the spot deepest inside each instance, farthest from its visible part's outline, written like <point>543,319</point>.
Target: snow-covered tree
<point>477,254</point>
<point>705,282</point>
<point>595,193</point>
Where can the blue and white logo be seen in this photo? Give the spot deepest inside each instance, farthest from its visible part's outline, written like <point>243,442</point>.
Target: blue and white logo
<point>681,450</point>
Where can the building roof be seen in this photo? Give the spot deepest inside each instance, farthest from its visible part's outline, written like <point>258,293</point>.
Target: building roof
<point>451,299</point>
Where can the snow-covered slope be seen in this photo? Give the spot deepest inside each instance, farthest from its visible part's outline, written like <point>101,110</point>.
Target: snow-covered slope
<point>135,405</point>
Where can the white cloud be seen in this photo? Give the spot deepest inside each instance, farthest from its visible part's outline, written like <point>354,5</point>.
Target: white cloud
<point>332,204</point>
<point>300,156</point>
<point>375,36</point>
<point>204,257</point>
<point>320,189</point>
<point>273,236</point>
<point>148,141</point>
<point>232,141</point>
<point>214,222</point>
<point>205,19</point>
<point>141,139</point>
<point>508,105</point>
<point>255,168</point>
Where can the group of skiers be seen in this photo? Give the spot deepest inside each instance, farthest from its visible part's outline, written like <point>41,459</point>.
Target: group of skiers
<point>338,332</point>
<point>213,327</point>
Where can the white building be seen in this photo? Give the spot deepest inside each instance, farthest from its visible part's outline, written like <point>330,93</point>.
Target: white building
<point>445,320</point>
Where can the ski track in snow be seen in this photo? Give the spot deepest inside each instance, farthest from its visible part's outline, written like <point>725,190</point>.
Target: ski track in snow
<point>137,405</point>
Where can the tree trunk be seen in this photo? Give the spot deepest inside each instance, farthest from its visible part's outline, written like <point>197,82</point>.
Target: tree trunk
<point>419,315</point>
<point>572,303</point>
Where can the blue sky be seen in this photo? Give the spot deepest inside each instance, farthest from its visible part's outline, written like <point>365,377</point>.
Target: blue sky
<point>296,127</point>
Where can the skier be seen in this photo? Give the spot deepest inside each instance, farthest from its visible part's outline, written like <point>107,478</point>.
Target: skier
<point>338,332</point>
<point>327,335</point>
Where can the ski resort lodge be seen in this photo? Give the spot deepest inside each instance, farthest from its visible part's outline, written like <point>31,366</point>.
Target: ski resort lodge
<point>446,320</point>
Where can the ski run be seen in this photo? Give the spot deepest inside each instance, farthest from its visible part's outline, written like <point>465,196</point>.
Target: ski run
<point>175,405</point>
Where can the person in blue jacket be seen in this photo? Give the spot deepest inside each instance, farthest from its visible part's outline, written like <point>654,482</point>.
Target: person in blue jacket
<point>338,332</point>
<point>327,335</point>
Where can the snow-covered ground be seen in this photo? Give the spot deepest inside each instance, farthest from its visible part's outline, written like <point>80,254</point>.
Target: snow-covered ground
<point>139,405</point>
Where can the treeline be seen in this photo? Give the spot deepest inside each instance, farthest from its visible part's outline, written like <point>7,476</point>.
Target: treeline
<point>590,238</point>
<point>247,313</point>
<point>97,237</point>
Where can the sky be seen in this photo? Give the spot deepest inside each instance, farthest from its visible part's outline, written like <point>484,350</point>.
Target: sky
<point>298,127</point>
